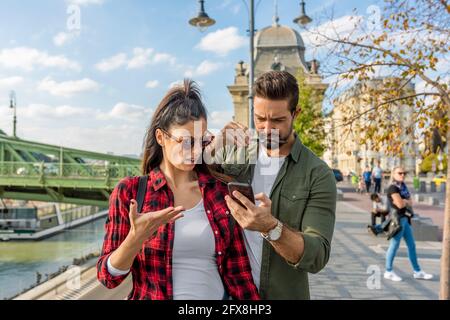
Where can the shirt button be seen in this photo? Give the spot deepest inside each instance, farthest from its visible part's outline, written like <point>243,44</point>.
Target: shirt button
<point>227,212</point>
<point>209,211</point>
<point>216,232</point>
<point>293,197</point>
<point>219,253</point>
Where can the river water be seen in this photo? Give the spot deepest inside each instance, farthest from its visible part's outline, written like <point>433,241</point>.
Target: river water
<point>19,261</point>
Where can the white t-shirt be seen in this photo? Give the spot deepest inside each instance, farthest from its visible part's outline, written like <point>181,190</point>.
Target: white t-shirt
<point>382,205</point>
<point>195,274</point>
<point>377,172</point>
<point>266,172</point>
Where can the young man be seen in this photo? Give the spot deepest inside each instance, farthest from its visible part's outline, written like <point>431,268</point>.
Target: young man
<point>379,209</point>
<point>367,174</point>
<point>288,231</point>
<point>377,174</point>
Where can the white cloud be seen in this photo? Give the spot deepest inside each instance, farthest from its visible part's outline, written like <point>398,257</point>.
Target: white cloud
<point>343,26</point>
<point>63,38</point>
<point>46,111</point>
<point>10,82</point>
<point>28,58</point>
<point>125,111</point>
<point>222,41</point>
<point>85,2</point>
<point>67,88</point>
<point>164,57</point>
<point>175,84</point>
<point>203,69</point>
<point>152,84</point>
<point>112,63</point>
<point>140,58</point>
<point>218,119</point>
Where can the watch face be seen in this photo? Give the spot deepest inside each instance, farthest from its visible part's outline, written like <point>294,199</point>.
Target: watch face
<point>276,233</point>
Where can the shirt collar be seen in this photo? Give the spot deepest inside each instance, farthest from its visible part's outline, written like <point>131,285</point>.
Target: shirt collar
<point>296,149</point>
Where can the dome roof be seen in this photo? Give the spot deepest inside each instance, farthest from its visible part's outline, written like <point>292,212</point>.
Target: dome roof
<point>279,36</point>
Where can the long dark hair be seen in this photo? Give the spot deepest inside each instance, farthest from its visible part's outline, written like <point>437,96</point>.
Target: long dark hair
<point>180,105</point>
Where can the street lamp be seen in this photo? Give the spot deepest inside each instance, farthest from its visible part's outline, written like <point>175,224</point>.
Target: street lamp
<point>13,105</point>
<point>302,19</point>
<point>203,21</point>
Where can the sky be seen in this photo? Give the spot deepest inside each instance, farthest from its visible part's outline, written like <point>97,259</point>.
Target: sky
<point>89,73</point>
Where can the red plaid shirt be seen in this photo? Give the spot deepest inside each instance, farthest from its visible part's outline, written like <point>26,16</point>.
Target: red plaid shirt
<point>152,267</point>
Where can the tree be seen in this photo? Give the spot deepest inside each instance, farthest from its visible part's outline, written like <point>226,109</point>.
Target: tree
<point>309,124</point>
<point>409,44</point>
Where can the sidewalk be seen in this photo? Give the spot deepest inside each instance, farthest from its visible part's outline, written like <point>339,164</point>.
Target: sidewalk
<point>356,266</point>
<point>362,201</point>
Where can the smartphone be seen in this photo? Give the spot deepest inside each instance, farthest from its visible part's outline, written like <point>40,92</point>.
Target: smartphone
<point>244,188</point>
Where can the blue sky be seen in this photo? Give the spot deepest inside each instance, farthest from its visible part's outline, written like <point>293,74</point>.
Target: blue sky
<point>95,88</point>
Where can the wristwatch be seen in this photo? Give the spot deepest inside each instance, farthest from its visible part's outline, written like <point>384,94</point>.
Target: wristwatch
<point>275,233</point>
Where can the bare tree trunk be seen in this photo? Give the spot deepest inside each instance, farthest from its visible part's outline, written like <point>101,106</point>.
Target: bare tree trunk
<point>445,259</point>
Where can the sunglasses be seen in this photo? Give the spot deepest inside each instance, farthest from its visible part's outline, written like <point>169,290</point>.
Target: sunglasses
<point>402,173</point>
<point>188,143</point>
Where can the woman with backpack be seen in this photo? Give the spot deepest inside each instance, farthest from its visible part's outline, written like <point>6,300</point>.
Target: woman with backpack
<point>399,199</point>
<point>182,245</point>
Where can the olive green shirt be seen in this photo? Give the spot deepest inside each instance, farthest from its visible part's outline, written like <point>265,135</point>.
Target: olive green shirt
<point>304,198</point>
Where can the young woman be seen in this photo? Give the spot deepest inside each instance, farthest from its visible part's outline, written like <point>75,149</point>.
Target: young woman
<point>399,198</point>
<point>181,246</point>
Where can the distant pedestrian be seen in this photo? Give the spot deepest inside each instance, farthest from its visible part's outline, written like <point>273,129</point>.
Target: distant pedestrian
<point>377,174</point>
<point>361,184</point>
<point>355,181</point>
<point>379,209</point>
<point>367,178</point>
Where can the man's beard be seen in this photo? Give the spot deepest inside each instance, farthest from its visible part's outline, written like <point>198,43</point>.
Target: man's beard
<point>275,142</point>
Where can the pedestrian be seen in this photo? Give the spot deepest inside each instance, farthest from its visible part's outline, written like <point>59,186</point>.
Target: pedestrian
<point>367,179</point>
<point>361,184</point>
<point>377,174</point>
<point>400,200</point>
<point>355,181</point>
<point>379,209</point>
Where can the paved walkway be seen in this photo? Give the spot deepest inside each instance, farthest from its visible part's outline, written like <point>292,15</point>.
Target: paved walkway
<point>362,201</point>
<point>356,266</point>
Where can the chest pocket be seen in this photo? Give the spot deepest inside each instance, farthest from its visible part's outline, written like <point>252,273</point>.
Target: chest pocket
<point>292,206</point>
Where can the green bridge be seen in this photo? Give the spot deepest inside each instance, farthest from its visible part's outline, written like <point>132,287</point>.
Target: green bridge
<point>43,172</point>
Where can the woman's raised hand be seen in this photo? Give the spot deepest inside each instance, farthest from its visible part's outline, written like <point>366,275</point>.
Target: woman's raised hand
<point>145,225</point>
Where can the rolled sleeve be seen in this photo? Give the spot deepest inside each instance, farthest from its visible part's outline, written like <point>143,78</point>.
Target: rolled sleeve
<point>114,271</point>
<point>106,277</point>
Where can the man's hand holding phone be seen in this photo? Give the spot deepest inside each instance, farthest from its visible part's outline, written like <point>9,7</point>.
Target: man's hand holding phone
<point>249,215</point>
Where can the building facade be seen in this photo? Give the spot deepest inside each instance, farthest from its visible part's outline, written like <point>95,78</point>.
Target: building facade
<point>345,149</point>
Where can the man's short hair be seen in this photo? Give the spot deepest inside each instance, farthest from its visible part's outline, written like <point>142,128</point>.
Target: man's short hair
<point>278,85</point>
